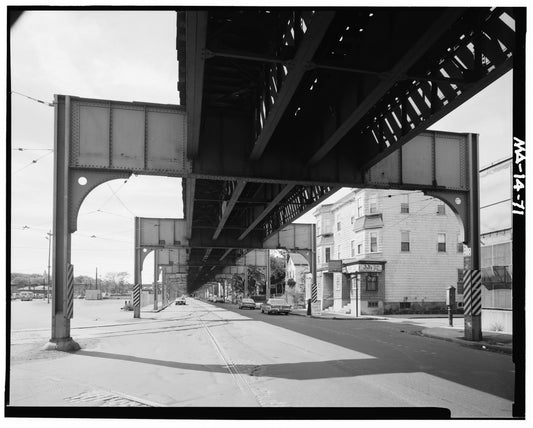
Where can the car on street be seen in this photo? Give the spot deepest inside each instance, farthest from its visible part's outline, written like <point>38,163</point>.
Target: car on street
<point>180,301</point>
<point>26,296</point>
<point>219,300</point>
<point>247,304</point>
<point>276,306</point>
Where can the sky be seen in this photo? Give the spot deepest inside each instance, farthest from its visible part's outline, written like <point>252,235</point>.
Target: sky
<point>131,56</point>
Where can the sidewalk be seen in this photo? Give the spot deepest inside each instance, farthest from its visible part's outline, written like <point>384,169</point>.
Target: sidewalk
<point>435,326</point>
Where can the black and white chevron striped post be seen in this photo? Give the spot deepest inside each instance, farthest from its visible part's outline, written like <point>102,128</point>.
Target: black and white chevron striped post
<point>472,304</point>
<point>314,293</point>
<point>69,298</point>
<point>137,301</point>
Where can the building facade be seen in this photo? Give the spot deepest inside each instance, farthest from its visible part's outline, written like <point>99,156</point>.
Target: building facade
<point>496,253</point>
<point>296,270</point>
<point>384,251</point>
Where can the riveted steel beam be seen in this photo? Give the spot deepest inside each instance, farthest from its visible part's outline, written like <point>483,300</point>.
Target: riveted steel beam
<point>228,208</point>
<point>284,192</point>
<point>310,43</point>
<point>195,42</point>
<point>407,61</point>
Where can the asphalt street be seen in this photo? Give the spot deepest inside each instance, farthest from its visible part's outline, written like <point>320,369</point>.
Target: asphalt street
<point>399,349</point>
<point>205,355</point>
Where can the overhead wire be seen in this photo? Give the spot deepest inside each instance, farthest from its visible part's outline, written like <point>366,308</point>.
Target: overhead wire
<point>120,200</point>
<point>24,149</point>
<point>32,162</point>
<point>34,99</point>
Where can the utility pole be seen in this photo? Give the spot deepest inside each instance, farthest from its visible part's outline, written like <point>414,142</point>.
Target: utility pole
<point>96,279</point>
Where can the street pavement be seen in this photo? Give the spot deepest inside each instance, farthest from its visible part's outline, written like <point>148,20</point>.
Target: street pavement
<point>204,355</point>
<point>434,326</point>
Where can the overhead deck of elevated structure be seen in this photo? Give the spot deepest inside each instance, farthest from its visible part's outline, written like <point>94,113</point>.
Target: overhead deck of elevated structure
<point>286,106</point>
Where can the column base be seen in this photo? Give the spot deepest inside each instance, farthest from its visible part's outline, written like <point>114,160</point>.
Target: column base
<point>63,345</point>
<point>473,327</point>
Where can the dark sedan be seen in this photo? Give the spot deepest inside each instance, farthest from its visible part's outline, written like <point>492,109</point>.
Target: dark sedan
<point>276,306</point>
<point>247,304</point>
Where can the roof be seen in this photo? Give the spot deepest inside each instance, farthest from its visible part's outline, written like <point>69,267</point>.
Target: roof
<point>298,259</point>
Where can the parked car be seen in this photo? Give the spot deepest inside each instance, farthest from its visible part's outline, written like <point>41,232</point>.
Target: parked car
<point>247,304</point>
<point>180,301</point>
<point>26,296</point>
<point>15,296</point>
<point>276,306</point>
<point>219,300</point>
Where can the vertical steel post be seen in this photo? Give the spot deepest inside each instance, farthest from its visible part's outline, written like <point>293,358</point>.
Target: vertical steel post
<point>61,339</point>
<point>313,253</point>
<point>156,277</point>
<point>137,269</point>
<point>245,279</point>
<point>267,282</point>
<point>473,321</point>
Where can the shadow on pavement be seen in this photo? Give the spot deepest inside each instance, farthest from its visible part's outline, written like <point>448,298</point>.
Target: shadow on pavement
<point>307,370</point>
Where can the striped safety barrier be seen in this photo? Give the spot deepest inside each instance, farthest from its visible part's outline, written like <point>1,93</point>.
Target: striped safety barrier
<point>137,295</point>
<point>472,292</point>
<point>69,300</point>
<point>314,293</point>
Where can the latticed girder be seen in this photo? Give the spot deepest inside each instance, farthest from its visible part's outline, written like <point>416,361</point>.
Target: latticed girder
<point>301,200</point>
<point>475,58</point>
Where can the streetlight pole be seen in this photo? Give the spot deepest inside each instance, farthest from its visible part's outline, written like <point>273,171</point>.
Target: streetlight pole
<point>49,238</point>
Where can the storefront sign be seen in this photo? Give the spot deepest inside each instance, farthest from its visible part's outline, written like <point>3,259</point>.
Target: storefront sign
<point>364,267</point>
<point>335,266</point>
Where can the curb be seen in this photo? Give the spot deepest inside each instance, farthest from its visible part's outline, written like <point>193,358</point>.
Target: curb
<point>366,318</point>
<point>482,346</point>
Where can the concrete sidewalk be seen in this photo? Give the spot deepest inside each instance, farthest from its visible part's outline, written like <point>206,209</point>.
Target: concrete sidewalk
<point>435,326</point>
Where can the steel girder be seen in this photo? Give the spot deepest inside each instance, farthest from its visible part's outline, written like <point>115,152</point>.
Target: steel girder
<point>308,102</point>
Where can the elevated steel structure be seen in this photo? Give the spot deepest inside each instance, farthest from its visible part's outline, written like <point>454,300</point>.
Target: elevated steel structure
<point>287,106</point>
<point>279,109</point>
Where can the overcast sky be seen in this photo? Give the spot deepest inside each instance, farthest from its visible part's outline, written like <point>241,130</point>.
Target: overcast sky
<point>130,56</point>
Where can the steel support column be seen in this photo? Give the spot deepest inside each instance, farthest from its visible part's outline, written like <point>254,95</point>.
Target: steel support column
<point>156,276</point>
<point>137,267</point>
<point>61,339</point>
<point>473,320</point>
<point>267,281</point>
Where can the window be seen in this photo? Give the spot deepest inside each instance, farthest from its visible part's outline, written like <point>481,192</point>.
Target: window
<point>318,227</point>
<point>405,241</point>
<point>459,244</point>
<point>373,204</point>
<point>318,257</point>
<point>404,205</point>
<point>459,281</point>
<point>338,252</point>
<point>373,242</point>
<point>328,254</point>
<point>359,248</point>
<point>440,209</point>
<point>372,304</point>
<point>371,283</point>
<point>352,248</point>
<point>352,219</point>
<point>359,207</point>
<point>441,242</point>
<point>405,305</point>
<point>327,226</point>
<point>338,226</point>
